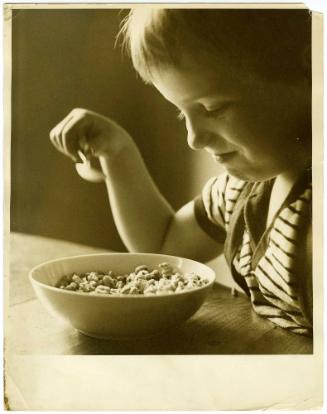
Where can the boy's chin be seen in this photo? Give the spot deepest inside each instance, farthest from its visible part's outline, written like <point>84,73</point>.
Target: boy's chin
<point>240,175</point>
<point>247,175</point>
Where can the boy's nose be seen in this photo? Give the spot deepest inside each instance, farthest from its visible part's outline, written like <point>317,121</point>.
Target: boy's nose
<point>197,135</point>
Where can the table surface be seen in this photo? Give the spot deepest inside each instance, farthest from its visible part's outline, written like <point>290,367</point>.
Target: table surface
<point>225,324</point>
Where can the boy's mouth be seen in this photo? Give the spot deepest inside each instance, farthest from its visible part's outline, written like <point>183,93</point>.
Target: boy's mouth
<point>224,157</point>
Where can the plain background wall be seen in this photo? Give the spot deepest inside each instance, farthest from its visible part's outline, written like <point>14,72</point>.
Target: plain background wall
<point>64,59</point>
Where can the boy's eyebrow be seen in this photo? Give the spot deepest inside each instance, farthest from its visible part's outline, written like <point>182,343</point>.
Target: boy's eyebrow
<point>215,98</point>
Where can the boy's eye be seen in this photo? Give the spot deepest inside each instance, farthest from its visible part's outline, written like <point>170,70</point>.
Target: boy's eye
<point>214,112</point>
<point>209,112</point>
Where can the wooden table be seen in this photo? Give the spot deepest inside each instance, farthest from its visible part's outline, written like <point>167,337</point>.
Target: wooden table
<point>225,324</point>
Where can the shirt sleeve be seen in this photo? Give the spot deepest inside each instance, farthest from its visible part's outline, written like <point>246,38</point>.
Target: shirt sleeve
<point>209,208</point>
<point>214,207</point>
<point>218,233</point>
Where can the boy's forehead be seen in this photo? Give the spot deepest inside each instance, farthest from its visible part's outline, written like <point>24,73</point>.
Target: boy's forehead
<point>193,80</point>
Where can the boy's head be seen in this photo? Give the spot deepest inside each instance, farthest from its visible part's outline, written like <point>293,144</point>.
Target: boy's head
<point>274,44</point>
<point>238,78</point>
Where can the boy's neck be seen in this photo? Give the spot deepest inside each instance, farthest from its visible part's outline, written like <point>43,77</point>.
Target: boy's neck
<point>282,186</point>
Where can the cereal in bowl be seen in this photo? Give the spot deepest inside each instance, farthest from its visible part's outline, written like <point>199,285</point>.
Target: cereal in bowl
<point>163,279</point>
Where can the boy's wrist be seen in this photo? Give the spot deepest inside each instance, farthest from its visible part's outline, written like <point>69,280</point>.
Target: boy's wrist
<point>116,147</point>
<point>121,157</point>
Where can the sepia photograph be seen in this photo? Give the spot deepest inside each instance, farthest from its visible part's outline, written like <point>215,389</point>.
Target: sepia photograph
<point>159,185</point>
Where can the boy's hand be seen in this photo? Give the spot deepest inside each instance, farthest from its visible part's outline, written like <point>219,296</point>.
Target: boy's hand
<point>93,134</point>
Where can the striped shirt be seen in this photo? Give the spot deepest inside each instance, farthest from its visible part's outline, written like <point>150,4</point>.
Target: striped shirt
<point>268,263</point>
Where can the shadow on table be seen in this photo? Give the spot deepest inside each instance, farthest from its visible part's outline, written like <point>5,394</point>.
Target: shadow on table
<point>224,325</point>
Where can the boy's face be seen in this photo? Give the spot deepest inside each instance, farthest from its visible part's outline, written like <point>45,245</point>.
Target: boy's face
<point>249,125</point>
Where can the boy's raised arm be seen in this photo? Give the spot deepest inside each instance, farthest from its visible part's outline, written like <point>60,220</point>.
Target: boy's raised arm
<point>144,219</point>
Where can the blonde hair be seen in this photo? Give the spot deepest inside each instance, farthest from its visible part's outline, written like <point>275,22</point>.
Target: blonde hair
<point>269,42</point>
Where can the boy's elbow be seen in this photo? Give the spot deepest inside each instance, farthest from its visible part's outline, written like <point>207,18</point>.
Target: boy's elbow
<point>154,241</point>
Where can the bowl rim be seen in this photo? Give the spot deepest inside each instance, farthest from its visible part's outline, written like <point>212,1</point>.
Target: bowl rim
<point>118,296</point>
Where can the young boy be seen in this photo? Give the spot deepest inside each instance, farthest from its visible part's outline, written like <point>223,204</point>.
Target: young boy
<point>241,80</point>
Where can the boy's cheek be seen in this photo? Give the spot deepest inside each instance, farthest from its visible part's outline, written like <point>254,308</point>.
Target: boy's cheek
<point>260,126</point>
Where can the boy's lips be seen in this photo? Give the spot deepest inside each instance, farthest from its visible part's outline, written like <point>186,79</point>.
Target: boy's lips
<point>224,157</point>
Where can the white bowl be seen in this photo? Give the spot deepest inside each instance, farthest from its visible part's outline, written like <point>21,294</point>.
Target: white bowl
<point>123,316</point>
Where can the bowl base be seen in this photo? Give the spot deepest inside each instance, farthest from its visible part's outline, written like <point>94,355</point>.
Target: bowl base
<point>127,337</point>
<point>119,337</point>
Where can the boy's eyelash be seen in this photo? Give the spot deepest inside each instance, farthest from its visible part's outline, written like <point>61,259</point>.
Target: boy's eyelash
<point>209,112</point>
<point>215,112</point>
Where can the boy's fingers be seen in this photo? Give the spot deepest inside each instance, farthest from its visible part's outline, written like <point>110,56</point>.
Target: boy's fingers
<point>96,146</point>
<point>54,138</point>
<point>70,137</point>
<point>67,141</point>
<point>85,147</point>
<point>55,134</point>
<point>56,141</point>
